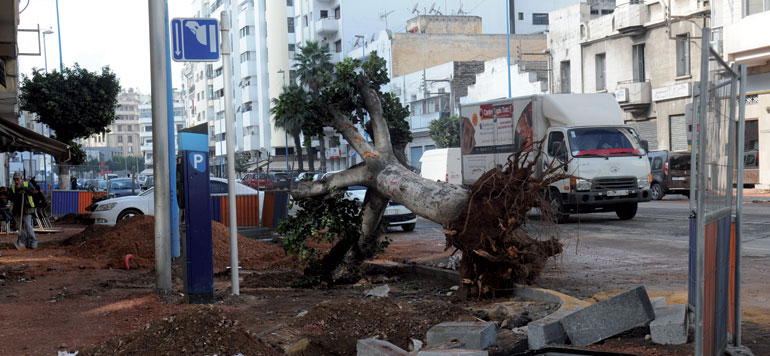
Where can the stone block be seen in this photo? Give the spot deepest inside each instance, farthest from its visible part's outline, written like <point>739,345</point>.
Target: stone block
<point>453,352</point>
<point>658,302</point>
<point>473,335</point>
<point>377,347</point>
<point>670,325</point>
<point>613,316</point>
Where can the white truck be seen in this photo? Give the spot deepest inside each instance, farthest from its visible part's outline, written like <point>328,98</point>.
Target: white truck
<point>442,164</point>
<point>606,158</point>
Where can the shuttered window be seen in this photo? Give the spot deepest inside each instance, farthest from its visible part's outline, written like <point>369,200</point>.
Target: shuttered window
<point>678,133</point>
<point>648,130</point>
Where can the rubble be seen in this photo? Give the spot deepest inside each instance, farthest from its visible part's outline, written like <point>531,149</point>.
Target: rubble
<point>473,335</point>
<point>670,325</point>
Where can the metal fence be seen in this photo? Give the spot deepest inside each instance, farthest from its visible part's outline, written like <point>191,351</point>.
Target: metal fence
<point>714,235</point>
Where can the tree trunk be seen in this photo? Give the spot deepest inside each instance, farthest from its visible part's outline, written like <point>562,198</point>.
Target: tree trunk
<point>322,147</point>
<point>311,158</point>
<point>64,177</point>
<point>297,150</point>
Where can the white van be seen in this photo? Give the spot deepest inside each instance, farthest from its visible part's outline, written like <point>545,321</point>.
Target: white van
<point>442,164</point>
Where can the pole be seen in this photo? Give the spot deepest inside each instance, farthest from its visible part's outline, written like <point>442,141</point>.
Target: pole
<point>174,213</point>
<point>224,24</point>
<point>739,206</point>
<point>58,33</point>
<point>221,151</point>
<point>508,43</point>
<point>286,133</point>
<point>160,145</point>
<point>42,126</point>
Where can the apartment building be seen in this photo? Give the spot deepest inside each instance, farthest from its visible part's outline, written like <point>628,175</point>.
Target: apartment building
<point>145,125</point>
<point>123,133</point>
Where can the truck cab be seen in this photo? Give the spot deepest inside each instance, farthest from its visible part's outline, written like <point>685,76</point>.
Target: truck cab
<point>608,166</point>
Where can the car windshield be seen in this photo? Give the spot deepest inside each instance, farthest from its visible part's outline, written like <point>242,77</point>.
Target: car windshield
<point>101,184</point>
<point>680,162</point>
<point>120,184</point>
<point>604,142</point>
<point>356,187</point>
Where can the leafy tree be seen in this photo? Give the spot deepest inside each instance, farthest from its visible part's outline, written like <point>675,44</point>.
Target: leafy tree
<point>445,131</point>
<point>290,111</point>
<point>314,70</point>
<point>240,164</point>
<point>74,102</point>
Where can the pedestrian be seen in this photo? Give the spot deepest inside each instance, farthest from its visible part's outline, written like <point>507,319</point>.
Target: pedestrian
<point>5,208</point>
<point>73,182</point>
<point>23,206</point>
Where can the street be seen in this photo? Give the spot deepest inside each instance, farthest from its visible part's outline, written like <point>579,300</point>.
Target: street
<point>604,255</point>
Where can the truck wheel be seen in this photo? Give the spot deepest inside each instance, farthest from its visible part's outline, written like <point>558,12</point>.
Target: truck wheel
<point>657,191</point>
<point>558,212</point>
<point>627,211</point>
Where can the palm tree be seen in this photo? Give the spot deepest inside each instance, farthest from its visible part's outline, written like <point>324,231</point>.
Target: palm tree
<point>313,67</point>
<point>290,110</point>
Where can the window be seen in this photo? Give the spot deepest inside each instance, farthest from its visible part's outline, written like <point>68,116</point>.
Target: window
<point>337,13</point>
<point>290,23</point>
<point>324,14</point>
<point>594,12</point>
<point>521,16</point>
<point>555,137</point>
<point>244,31</point>
<point>304,21</point>
<point>683,55</point>
<point>539,19</point>
<point>638,62</point>
<point>246,56</point>
<point>120,128</point>
<point>565,73</point>
<point>755,6</point>
<point>292,47</point>
<point>607,12</point>
<point>289,2</point>
<point>147,128</point>
<point>601,66</point>
<point>338,46</point>
<point>130,139</point>
<point>218,71</point>
<point>120,139</point>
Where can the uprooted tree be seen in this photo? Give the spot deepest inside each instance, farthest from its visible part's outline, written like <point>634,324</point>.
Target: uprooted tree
<point>483,222</point>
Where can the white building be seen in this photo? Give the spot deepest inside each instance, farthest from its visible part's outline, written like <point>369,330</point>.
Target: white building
<point>145,125</point>
<point>528,16</point>
<point>741,33</point>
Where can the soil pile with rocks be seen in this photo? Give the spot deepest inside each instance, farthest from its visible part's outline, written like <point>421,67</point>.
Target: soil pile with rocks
<point>334,327</point>
<point>200,330</point>
<point>281,278</point>
<point>136,236</point>
<point>73,218</point>
<point>89,233</point>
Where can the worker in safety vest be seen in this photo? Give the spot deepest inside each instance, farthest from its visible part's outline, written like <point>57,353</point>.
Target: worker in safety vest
<point>22,207</point>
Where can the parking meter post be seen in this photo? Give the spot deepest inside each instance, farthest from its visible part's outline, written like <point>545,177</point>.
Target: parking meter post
<point>158,68</point>
<point>224,25</point>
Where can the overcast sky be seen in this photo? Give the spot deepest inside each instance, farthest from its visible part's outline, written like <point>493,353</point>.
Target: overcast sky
<point>95,33</point>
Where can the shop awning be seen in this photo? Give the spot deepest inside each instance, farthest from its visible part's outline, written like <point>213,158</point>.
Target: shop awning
<point>14,137</point>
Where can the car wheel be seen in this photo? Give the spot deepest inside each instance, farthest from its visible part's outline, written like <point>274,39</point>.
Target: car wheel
<point>657,191</point>
<point>408,227</point>
<point>627,211</point>
<point>125,214</point>
<point>559,214</point>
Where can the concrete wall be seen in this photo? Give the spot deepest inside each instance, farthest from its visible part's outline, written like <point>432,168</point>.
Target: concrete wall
<point>564,43</point>
<point>528,7</point>
<point>414,52</point>
<point>433,24</point>
<point>492,83</point>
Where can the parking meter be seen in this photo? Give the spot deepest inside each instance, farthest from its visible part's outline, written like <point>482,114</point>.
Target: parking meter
<point>195,199</point>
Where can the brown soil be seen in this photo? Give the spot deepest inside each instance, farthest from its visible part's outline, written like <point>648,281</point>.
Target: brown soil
<point>334,327</point>
<point>197,330</point>
<point>271,279</point>
<point>136,236</point>
<point>73,218</point>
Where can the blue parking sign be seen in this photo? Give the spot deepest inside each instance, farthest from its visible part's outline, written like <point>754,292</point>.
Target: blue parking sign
<point>195,40</point>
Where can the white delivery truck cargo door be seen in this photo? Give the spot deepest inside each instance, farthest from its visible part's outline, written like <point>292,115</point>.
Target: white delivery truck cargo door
<point>582,110</point>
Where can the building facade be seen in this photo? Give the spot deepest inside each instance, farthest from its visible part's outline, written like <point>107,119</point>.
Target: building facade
<point>145,125</point>
<point>123,133</point>
<point>641,53</point>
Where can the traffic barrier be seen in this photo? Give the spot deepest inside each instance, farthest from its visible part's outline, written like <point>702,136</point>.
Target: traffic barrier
<point>274,209</point>
<point>72,201</point>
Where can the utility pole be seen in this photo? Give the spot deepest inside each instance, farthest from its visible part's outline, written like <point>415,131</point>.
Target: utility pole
<point>158,70</point>
<point>224,25</point>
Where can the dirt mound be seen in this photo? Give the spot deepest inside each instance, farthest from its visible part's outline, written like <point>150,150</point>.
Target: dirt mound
<point>200,330</point>
<point>73,218</point>
<point>271,279</point>
<point>334,327</point>
<point>135,236</point>
<point>89,233</point>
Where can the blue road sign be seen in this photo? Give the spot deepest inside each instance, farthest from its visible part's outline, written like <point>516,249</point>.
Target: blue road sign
<point>195,40</point>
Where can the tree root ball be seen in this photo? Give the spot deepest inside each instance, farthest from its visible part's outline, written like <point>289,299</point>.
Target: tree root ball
<point>497,252</point>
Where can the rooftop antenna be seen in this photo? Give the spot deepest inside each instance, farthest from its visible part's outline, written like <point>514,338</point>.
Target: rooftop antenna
<point>384,16</point>
<point>414,9</point>
<point>460,10</point>
<point>432,8</point>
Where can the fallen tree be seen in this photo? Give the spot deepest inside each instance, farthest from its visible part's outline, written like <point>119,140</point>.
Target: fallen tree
<point>483,222</point>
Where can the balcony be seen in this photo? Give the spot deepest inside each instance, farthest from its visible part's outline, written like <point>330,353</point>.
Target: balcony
<point>249,118</point>
<point>630,19</point>
<point>742,42</point>
<point>249,93</point>
<point>634,96</point>
<point>421,122</point>
<point>327,26</point>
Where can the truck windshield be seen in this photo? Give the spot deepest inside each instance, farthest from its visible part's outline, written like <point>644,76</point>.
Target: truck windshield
<point>603,142</point>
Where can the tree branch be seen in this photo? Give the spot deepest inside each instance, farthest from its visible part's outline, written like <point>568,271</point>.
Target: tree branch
<point>350,133</point>
<point>356,175</point>
<point>374,207</point>
<point>380,130</point>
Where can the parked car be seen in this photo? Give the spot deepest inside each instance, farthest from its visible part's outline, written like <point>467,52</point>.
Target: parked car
<point>120,187</point>
<point>260,181</point>
<point>670,173</point>
<point>281,180</point>
<point>99,185</point>
<point>305,176</point>
<point>109,176</point>
<point>110,211</point>
<point>148,183</point>
<point>395,214</point>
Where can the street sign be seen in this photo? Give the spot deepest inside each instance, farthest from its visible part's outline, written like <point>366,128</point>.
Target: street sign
<point>195,40</point>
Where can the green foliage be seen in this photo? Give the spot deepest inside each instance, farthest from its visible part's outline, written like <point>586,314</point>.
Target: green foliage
<point>291,109</point>
<point>324,219</point>
<point>240,164</point>
<point>75,103</point>
<point>395,114</point>
<point>121,163</point>
<point>445,131</point>
<point>313,66</point>
<point>77,155</point>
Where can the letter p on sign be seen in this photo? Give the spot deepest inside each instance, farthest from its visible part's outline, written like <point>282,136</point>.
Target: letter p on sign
<point>198,161</point>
